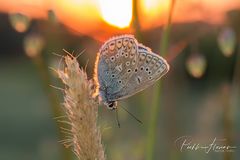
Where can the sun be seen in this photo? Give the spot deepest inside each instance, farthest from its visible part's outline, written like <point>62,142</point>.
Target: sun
<point>116,13</point>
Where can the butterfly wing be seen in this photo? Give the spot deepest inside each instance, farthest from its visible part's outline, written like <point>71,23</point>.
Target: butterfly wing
<point>150,68</point>
<point>115,63</point>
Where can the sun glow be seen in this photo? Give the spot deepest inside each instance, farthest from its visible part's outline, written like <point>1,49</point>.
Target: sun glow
<point>156,12</point>
<point>117,13</point>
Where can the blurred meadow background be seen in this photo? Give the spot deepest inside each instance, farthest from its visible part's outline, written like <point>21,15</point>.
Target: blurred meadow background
<point>199,96</point>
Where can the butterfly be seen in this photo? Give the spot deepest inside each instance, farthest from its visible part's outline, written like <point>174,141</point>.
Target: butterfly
<point>125,67</point>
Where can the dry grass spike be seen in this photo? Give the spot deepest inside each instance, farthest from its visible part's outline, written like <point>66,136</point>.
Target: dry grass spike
<point>81,109</point>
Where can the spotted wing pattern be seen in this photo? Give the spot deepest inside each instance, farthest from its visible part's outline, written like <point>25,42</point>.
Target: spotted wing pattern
<point>151,67</point>
<point>125,67</point>
<point>117,60</point>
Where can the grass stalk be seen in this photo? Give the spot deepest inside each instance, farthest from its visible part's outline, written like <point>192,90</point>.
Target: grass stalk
<point>135,21</point>
<point>81,109</point>
<point>155,110</point>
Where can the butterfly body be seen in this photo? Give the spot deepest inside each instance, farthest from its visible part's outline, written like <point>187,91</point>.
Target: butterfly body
<point>124,67</point>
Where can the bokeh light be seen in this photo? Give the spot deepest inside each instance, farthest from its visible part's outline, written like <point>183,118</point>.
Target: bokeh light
<point>33,44</point>
<point>196,65</point>
<point>227,41</point>
<point>19,22</point>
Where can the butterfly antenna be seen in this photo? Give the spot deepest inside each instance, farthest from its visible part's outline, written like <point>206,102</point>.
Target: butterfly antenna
<point>117,118</point>
<point>131,115</point>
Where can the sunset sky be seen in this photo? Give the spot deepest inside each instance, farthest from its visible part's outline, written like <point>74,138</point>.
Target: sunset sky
<point>91,16</point>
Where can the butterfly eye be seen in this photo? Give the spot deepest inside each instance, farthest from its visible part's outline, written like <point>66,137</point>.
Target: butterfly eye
<point>136,70</point>
<point>141,68</point>
<point>113,75</point>
<point>111,105</point>
<point>146,69</point>
<point>150,78</point>
<point>126,55</point>
<point>129,70</point>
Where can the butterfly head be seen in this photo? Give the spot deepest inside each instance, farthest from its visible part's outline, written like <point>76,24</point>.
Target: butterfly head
<point>111,105</point>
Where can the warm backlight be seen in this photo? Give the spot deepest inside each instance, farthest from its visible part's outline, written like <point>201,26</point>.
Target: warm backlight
<point>154,12</point>
<point>117,13</point>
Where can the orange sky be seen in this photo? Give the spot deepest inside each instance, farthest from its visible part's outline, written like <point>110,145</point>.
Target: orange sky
<point>104,17</point>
